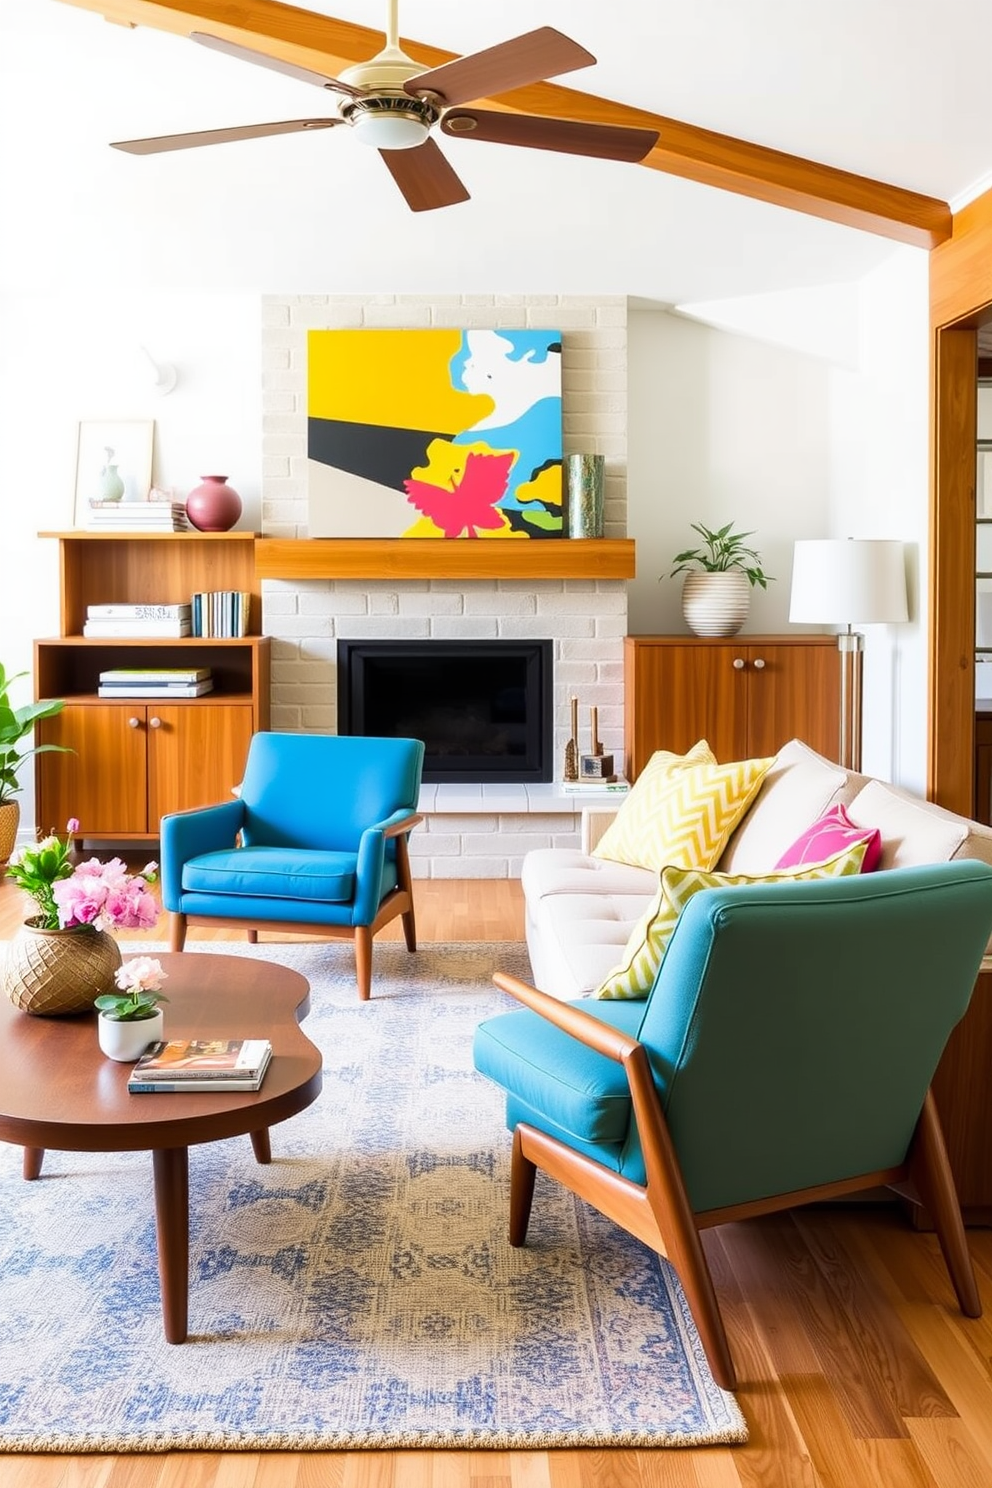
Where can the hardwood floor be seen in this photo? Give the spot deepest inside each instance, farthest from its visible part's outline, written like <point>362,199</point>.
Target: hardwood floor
<point>858,1371</point>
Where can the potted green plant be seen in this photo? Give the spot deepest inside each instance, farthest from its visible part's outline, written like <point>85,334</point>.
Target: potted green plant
<point>15,725</point>
<point>719,577</point>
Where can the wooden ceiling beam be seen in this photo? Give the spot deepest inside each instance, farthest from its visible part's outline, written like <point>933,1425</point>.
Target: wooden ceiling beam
<point>327,45</point>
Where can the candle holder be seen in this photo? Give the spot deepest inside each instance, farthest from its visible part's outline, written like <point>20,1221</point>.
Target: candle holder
<point>597,765</point>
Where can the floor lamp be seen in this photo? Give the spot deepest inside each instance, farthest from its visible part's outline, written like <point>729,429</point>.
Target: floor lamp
<point>849,581</point>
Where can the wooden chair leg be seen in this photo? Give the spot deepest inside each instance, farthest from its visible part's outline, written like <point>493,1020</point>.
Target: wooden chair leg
<point>674,1218</point>
<point>363,961</point>
<point>685,1251</point>
<point>409,929</point>
<point>931,1172</point>
<point>522,1175</point>
<point>177,931</point>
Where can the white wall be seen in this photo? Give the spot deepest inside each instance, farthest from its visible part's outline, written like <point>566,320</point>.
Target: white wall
<point>722,428</point>
<point>790,445</point>
<point>880,488</point>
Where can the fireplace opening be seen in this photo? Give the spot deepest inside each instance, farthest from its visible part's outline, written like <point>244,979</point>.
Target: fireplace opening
<point>482,708</point>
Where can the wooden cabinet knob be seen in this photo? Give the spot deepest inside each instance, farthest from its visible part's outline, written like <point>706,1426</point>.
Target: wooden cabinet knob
<point>134,723</point>
<point>759,664</point>
<point>157,722</point>
<point>738,663</point>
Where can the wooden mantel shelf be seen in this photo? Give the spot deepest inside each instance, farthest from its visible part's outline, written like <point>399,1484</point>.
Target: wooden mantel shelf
<point>442,558</point>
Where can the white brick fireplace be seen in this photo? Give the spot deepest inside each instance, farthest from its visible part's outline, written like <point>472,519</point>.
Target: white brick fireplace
<point>468,833</point>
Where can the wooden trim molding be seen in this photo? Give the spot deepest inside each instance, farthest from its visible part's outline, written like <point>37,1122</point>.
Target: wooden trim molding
<point>438,558</point>
<point>960,299</point>
<point>327,45</point>
<point>951,703</point>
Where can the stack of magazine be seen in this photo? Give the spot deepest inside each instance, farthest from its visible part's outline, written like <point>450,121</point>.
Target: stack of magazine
<point>155,682</point>
<point>200,1064</point>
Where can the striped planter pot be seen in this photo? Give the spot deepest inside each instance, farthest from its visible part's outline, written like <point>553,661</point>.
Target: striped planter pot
<point>716,604</point>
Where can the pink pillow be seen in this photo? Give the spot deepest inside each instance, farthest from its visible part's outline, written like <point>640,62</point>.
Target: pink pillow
<point>829,835</point>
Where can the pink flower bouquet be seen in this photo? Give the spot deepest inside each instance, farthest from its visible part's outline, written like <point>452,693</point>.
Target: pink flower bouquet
<point>106,896</point>
<point>70,895</point>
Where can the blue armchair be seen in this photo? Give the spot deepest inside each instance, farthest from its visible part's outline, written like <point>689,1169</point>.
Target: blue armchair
<point>316,840</point>
<point>784,1055</point>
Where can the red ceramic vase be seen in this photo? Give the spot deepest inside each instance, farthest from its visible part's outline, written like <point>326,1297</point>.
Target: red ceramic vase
<point>213,506</point>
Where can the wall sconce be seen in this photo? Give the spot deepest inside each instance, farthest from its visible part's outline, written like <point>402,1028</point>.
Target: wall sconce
<point>843,581</point>
<point>162,375</point>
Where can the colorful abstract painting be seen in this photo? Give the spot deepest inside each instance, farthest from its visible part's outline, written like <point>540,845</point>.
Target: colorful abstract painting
<point>437,433</point>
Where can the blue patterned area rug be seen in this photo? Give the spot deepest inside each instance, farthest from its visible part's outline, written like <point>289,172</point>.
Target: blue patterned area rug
<point>360,1291</point>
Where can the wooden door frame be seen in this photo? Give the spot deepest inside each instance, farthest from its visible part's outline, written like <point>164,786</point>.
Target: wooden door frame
<point>960,300</point>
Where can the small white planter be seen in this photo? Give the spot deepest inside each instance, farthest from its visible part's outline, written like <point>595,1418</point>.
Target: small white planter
<point>716,604</point>
<point>127,1041</point>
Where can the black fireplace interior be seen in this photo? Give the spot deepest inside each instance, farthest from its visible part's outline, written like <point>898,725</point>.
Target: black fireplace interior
<point>482,708</point>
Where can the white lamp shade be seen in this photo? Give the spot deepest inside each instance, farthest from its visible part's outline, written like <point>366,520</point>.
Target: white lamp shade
<point>848,581</point>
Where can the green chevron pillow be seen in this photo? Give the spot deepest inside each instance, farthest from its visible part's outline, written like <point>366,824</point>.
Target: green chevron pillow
<point>681,810</point>
<point>648,941</point>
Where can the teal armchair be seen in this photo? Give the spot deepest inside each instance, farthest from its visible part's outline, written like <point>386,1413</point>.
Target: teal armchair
<point>784,1055</point>
<point>315,841</point>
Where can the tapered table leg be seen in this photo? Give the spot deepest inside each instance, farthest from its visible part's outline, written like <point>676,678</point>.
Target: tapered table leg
<point>261,1145</point>
<point>171,1169</point>
<point>31,1161</point>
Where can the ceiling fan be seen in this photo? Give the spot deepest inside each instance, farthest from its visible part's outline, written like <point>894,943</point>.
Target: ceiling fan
<point>392,104</point>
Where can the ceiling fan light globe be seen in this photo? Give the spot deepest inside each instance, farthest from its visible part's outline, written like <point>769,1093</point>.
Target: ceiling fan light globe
<point>390,131</point>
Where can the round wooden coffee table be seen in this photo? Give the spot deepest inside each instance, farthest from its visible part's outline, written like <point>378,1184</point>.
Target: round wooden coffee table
<point>59,1091</point>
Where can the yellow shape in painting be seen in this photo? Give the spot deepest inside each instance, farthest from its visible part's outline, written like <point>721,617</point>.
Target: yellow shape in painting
<point>546,487</point>
<point>398,379</point>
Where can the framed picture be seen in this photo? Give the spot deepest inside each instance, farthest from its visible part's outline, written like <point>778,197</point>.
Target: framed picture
<point>113,465</point>
<point>451,433</point>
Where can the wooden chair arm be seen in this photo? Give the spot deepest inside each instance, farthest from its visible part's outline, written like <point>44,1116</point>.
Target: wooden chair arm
<point>399,828</point>
<point>597,1036</point>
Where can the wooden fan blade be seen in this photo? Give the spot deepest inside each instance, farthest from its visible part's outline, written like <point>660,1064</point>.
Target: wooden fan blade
<point>424,177</point>
<point>569,136</point>
<point>247,54</point>
<point>512,64</point>
<point>219,136</point>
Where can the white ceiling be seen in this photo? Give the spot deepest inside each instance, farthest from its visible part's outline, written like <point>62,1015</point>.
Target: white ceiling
<point>893,89</point>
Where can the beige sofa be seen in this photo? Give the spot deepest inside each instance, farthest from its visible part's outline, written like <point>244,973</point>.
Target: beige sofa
<point>581,909</point>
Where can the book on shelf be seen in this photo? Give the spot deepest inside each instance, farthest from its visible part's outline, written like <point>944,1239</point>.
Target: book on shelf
<point>155,674</point>
<point>221,613</point>
<point>181,611</point>
<point>154,689</point>
<point>137,516</point>
<point>188,1065</point>
<point>136,630</point>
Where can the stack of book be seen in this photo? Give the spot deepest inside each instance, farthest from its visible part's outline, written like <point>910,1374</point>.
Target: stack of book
<point>155,682</point>
<point>221,613</point>
<point>170,621</point>
<point>200,1064</point>
<point>137,516</point>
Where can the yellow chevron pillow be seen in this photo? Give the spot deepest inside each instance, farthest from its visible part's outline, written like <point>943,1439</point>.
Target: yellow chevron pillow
<point>648,941</point>
<point>681,810</point>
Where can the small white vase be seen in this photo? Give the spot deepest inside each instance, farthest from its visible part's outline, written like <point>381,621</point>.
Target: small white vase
<point>716,604</point>
<point>127,1041</point>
